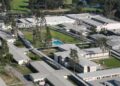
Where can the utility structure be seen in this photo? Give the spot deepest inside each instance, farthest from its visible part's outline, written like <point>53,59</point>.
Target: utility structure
<point>41,33</point>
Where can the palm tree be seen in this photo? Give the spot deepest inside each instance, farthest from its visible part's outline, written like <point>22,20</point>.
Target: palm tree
<point>74,57</point>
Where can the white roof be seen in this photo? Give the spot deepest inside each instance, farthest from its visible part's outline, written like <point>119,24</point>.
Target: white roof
<point>93,50</point>
<point>104,20</point>
<point>112,26</point>
<point>86,62</point>
<point>75,27</point>
<point>81,16</point>
<point>92,22</point>
<point>100,73</point>
<point>68,46</point>
<point>54,20</point>
<point>50,20</point>
<point>17,54</point>
<point>41,67</point>
<point>56,77</point>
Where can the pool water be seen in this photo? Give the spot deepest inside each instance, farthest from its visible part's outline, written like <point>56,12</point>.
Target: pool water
<point>56,42</point>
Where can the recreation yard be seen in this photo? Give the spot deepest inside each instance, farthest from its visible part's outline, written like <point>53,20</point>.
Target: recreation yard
<point>109,63</point>
<point>56,35</point>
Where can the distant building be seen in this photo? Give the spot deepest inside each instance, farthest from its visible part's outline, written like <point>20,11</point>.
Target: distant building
<point>96,21</point>
<point>50,20</point>
<point>76,28</point>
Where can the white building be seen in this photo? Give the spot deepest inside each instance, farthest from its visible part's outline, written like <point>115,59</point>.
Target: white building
<point>18,55</point>
<point>85,55</point>
<point>45,72</point>
<point>90,53</point>
<point>76,28</point>
<point>102,74</point>
<point>96,21</point>
<point>50,20</point>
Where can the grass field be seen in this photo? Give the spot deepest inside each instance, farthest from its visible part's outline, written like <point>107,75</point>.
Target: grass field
<point>110,63</point>
<point>19,5</point>
<point>57,35</point>
<point>86,9</point>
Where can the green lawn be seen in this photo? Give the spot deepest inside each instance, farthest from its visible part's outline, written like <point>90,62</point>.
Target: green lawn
<point>110,63</point>
<point>63,37</point>
<point>57,35</point>
<point>86,9</point>
<point>19,5</point>
<point>28,35</point>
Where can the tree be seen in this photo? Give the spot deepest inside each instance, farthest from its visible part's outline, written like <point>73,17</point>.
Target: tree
<point>48,38</point>
<point>6,4</point>
<point>109,7</point>
<point>8,58</point>
<point>74,57</point>
<point>5,56</point>
<point>37,33</point>
<point>102,43</point>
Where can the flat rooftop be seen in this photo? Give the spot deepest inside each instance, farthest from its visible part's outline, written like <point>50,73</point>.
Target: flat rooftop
<point>75,27</point>
<point>50,20</point>
<point>106,72</point>
<point>56,77</point>
<point>112,81</point>
<point>86,62</point>
<point>104,19</point>
<point>81,16</point>
<point>17,54</point>
<point>41,67</point>
<point>92,22</point>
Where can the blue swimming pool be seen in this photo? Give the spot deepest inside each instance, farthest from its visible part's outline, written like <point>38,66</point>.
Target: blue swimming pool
<point>56,42</point>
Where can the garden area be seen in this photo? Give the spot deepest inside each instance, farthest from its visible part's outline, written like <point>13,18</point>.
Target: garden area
<point>111,62</point>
